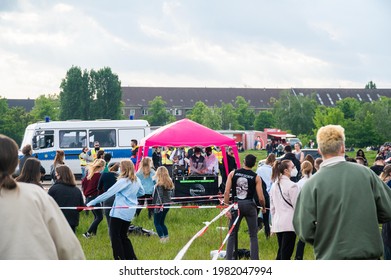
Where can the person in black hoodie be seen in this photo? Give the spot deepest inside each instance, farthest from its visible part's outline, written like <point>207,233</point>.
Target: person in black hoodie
<point>66,194</point>
<point>291,156</point>
<point>106,181</point>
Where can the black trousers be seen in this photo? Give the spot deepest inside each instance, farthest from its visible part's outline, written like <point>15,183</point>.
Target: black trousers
<point>286,244</point>
<point>248,210</point>
<point>98,216</point>
<point>141,201</point>
<point>300,250</point>
<point>120,243</point>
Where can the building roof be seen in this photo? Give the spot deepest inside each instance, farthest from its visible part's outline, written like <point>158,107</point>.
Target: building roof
<point>257,97</point>
<point>187,97</point>
<point>27,104</point>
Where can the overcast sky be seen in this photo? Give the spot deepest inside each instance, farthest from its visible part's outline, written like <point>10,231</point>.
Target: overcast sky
<point>195,43</point>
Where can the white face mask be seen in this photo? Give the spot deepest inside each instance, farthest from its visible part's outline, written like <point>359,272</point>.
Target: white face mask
<point>294,172</point>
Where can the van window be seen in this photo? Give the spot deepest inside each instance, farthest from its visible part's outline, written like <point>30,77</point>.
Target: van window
<point>73,138</point>
<point>43,139</point>
<point>105,137</point>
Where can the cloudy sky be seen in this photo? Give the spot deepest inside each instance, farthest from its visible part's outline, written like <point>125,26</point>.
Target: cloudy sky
<point>195,43</point>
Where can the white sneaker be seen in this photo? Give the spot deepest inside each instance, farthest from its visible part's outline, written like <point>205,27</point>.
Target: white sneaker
<point>164,239</point>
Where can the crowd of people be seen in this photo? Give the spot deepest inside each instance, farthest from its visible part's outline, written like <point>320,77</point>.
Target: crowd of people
<point>103,184</point>
<point>321,202</point>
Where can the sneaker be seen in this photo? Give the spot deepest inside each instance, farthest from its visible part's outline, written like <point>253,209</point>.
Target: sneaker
<point>87,235</point>
<point>164,239</point>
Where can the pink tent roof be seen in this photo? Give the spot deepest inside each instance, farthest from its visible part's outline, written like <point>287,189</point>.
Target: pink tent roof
<point>188,133</point>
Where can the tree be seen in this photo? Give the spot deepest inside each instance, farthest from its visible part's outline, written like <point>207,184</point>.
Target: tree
<point>213,118</point>
<point>264,119</point>
<point>158,114</point>
<point>198,113</point>
<point>362,132</point>
<point>349,107</point>
<point>46,106</point>
<point>106,91</point>
<point>295,113</point>
<point>75,99</point>
<point>229,117</point>
<point>327,115</point>
<point>381,110</point>
<point>15,123</point>
<point>94,95</point>
<point>245,115</point>
<point>3,114</point>
<point>370,85</point>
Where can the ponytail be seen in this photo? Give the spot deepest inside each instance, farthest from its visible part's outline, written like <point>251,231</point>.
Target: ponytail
<point>8,162</point>
<point>7,182</point>
<point>279,168</point>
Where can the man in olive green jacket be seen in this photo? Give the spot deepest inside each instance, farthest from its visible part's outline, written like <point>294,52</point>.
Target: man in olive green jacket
<point>339,209</point>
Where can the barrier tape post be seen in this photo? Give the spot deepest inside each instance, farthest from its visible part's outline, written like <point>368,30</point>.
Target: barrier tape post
<point>227,236</point>
<point>183,251</point>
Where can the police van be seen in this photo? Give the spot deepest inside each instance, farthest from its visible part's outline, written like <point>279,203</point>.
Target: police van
<point>114,136</point>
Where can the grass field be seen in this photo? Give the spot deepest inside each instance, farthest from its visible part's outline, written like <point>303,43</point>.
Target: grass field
<point>182,225</point>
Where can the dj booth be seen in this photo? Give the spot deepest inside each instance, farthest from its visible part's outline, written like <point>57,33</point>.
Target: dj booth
<point>195,186</point>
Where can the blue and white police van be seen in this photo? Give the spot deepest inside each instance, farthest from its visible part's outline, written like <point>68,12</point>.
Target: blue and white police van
<point>114,136</point>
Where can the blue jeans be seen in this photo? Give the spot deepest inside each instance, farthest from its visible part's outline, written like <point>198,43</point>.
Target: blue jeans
<point>83,172</point>
<point>158,220</point>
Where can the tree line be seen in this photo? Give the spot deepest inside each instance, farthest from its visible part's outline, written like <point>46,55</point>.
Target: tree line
<point>365,123</point>
<point>89,95</point>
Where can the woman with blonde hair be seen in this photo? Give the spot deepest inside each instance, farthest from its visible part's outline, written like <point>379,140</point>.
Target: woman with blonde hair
<point>283,196</point>
<point>162,196</point>
<point>89,185</point>
<point>126,190</point>
<point>306,172</point>
<point>66,194</point>
<point>145,174</point>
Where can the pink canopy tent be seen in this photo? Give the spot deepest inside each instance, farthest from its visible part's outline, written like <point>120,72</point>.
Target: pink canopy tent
<point>187,133</point>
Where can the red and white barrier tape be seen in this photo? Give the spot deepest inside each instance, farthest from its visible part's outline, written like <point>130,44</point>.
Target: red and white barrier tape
<point>80,208</point>
<point>183,251</point>
<point>226,237</point>
<point>188,197</point>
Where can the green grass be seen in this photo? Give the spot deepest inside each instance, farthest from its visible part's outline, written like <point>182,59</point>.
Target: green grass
<point>182,225</point>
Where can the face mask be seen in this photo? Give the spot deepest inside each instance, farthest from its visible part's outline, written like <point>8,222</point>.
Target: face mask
<point>294,172</point>
<point>119,171</point>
